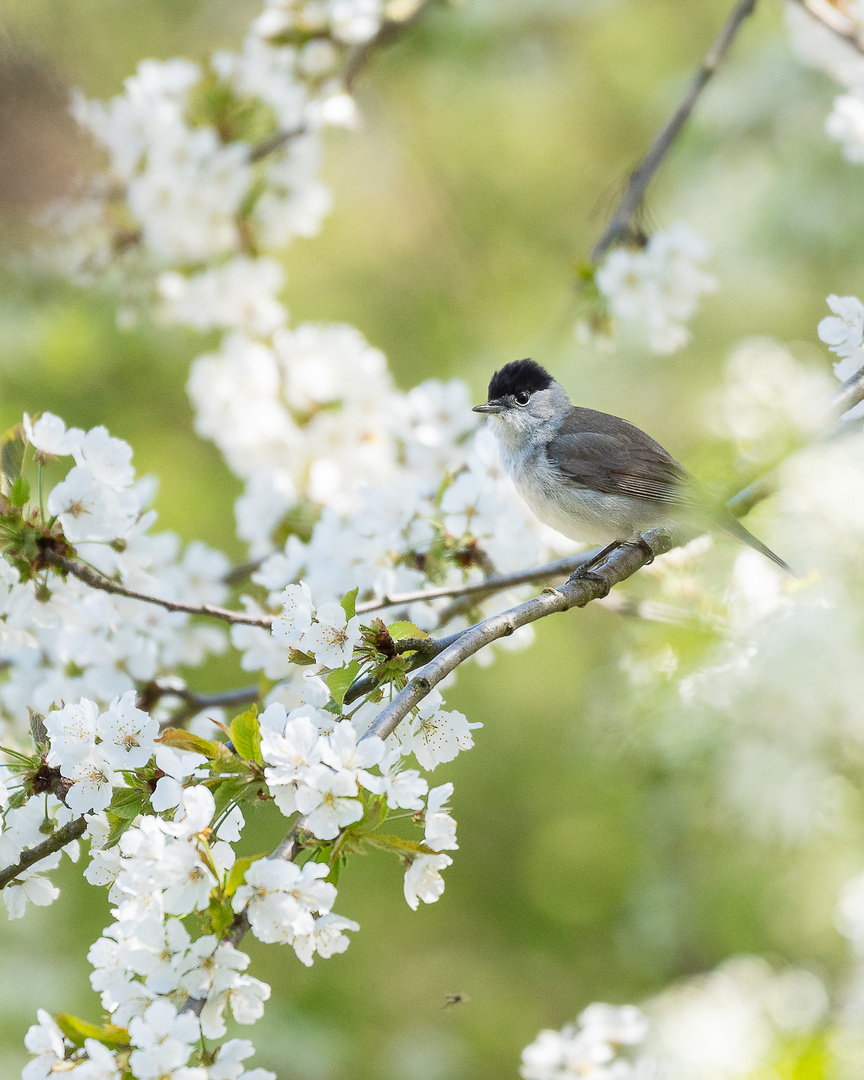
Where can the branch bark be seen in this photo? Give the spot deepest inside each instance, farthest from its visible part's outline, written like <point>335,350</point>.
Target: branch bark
<point>73,830</point>
<point>621,224</point>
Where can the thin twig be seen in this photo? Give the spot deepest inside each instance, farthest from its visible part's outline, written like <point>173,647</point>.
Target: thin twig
<point>641,177</point>
<point>834,20</point>
<point>193,703</point>
<point>72,830</point>
<point>98,581</point>
<point>492,584</point>
<point>391,30</point>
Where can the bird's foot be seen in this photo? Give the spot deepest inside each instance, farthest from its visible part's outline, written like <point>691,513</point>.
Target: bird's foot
<point>641,542</point>
<point>586,574</point>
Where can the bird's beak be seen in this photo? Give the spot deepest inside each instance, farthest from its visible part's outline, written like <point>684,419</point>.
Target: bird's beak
<point>489,407</point>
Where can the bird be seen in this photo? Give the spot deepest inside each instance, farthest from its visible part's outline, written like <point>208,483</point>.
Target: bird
<point>590,475</point>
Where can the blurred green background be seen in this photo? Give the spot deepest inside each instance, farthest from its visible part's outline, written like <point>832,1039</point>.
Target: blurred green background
<point>495,139</point>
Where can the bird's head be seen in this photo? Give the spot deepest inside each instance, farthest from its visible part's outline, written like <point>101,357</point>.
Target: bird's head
<point>524,401</point>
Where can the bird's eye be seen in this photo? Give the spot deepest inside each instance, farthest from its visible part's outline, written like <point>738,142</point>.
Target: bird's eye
<point>522,398</point>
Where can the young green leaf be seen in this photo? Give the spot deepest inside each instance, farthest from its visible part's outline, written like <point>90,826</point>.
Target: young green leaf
<point>401,630</point>
<point>77,1030</point>
<point>349,603</point>
<point>19,492</point>
<point>127,803</point>
<point>246,735</point>
<point>238,873</point>
<point>12,454</point>
<point>339,680</point>
<point>185,740</point>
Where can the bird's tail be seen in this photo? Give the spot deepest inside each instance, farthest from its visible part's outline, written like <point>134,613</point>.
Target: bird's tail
<point>733,527</point>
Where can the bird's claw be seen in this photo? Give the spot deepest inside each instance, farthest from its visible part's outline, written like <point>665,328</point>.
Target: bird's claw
<point>584,574</point>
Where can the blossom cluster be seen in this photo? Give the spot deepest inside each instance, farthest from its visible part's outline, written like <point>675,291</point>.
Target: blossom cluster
<point>68,641</point>
<point>187,180</point>
<point>729,1024</point>
<point>321,776</point>
<point>126,741</point>
<point>163,870</point>
<point>588,1048</point>
<point>655,289</point>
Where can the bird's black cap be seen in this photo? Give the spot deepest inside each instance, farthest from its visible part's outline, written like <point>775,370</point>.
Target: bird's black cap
<point>519,376</point>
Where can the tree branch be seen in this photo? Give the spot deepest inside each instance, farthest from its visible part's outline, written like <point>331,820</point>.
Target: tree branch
<point>849,394</point>
<point>57,840</point>
<point>620,564</point>
<point>620,225</point>
<point>834,20</point>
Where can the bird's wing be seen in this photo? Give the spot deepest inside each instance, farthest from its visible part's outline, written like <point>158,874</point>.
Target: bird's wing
<point>604,453</point>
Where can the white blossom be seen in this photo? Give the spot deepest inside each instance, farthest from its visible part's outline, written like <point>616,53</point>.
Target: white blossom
<point>436,735</point>
<point>403,788</point>
<point>49,434</point>
<point>440,832</point>
<point>423,879</point>
<point>127,733</point>
<point>328,801</point>
<point>296,617</point>
<point>325,936</point>
<point>331,639</point>
<point>88,509</point>
<point>93,780</point>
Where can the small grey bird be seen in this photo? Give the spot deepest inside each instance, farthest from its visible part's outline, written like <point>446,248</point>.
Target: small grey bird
<point>592,476</point>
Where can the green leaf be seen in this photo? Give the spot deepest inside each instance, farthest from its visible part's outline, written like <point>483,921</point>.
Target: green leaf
<point>228,791</point>
<point>396,844</point>
<point>401,630</point>
<point>349,603</point>
<point>185,740</point>
<point>246,735</point>
<point>304,659</point>
<point>126,803</point>
<point>12,453</point>
<point>19,492</point>
<point>339,680</point>
<point>221,917</point>
<point>119,825</point>
<point>238,873</point>
<point>77,1030</point>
